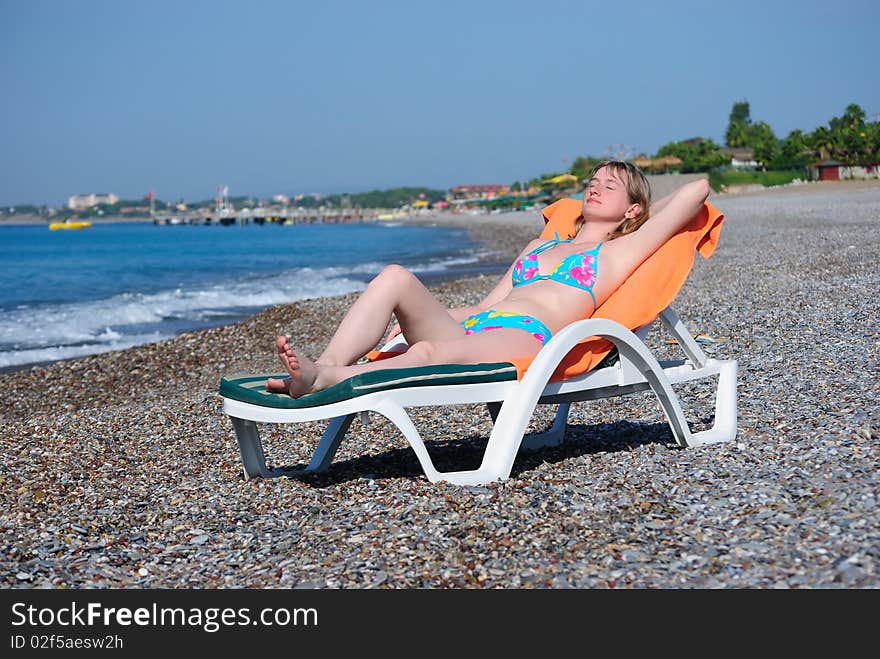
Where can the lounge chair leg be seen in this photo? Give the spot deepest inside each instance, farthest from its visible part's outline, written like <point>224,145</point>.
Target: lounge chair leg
<point>554,436</point>
<point>254,461</point>
<point>681,334</point>
<point>398,416</point>
<point>505,440</point>
<point>724,427</point>
<point>251,449</point>
<point>636,356</point>
<point>327,447</point>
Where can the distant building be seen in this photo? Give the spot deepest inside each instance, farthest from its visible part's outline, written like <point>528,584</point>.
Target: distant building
<point>476,191</point>
<point>826,170</point>
<point>281,199</point>
<point>834,170</point>
<point>741,158</point>
<point>81,202</point>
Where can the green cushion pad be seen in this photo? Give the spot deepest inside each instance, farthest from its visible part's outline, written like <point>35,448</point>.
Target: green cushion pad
<point>252,388</point>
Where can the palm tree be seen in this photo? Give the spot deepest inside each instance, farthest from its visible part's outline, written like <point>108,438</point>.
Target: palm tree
<point>821,141</point>
<point>853,117</point>
<point>737,134</point>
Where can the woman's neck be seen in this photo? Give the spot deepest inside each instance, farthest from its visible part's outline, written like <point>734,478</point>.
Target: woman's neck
<point>595,231</point>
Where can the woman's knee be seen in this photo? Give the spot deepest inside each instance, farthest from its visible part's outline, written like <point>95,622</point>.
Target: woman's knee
<point>393,275</point>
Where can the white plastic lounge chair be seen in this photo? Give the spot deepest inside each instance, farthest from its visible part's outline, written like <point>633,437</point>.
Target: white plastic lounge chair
<point>510,401</point>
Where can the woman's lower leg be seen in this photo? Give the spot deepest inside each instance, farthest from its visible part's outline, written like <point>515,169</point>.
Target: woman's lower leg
<point>492,346</point>
<point>394,291</point>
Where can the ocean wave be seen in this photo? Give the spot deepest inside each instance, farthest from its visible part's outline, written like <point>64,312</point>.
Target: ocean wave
<point>54,353</point>
<point>60,331</point>
<point>106,321</point>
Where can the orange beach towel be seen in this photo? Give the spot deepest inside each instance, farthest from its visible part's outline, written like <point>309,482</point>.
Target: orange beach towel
<point>645,293</point>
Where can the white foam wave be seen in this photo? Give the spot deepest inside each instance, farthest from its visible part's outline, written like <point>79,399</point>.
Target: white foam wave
<point>54,353</point>
<point>446,264</point>
<point>62,331</point>
<point>430,266</point>
<point>104,321</point>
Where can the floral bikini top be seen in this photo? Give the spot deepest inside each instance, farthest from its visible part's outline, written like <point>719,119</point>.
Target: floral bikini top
<point>578,269</point>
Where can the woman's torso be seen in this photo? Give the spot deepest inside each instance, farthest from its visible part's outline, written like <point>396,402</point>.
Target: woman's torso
<point>589,269</point>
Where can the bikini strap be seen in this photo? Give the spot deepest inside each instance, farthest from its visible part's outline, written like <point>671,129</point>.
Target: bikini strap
<point>567,240</point>
<point>548,244</point>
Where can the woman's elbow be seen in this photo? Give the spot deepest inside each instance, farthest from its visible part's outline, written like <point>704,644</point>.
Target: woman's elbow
<point>701,189</point>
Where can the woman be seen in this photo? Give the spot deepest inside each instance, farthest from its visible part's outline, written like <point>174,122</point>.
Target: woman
<point>550,285</point>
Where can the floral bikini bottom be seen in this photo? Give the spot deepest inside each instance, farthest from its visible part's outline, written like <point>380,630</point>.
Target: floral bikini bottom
<point>492,320</point>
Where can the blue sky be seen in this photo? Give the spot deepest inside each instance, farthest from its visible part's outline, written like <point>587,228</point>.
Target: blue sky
<point>295,97</point>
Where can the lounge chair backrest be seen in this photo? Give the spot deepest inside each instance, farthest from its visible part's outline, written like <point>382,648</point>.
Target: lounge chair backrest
<point>645,293</point>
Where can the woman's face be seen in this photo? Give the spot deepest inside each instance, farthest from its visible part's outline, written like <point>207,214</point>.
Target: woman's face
<point>606,196</point>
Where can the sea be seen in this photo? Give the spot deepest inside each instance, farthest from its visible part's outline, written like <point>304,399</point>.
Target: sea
<point>70,293</point>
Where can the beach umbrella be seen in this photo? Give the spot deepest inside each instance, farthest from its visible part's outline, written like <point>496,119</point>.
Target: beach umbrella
<point>562,179</point>
<point>666,162</point>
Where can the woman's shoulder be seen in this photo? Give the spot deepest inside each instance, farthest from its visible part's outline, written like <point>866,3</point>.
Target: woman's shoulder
<point>533,244</point>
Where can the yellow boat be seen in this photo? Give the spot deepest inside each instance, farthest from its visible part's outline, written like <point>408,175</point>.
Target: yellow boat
<point>69,225</point>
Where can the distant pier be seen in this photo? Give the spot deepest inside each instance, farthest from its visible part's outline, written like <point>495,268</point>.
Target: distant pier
<point>244,216</point>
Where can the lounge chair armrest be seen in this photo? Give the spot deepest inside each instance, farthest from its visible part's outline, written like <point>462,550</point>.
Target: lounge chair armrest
<point>563,341</point>
<point>394,344</point>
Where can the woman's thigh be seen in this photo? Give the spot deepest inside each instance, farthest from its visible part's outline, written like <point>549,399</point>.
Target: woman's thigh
<point>498,345</point>
<point>423,318</point>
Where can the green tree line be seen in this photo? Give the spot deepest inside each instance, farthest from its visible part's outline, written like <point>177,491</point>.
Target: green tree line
<point>849,138</point>
<point>393,198</point>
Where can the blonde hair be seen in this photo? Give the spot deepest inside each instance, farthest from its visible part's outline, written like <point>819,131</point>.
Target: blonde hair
<point>638,191</point>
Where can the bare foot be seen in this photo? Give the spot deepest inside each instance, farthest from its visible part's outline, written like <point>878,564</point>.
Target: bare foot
<point>303,371</point>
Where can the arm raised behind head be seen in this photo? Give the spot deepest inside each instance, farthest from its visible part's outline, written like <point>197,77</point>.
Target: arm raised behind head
<point>674,212</point>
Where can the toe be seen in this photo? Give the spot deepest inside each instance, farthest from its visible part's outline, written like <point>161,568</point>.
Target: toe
<point>276,385</point>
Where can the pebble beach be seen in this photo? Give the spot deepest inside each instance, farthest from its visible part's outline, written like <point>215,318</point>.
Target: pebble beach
<point>120,470</point>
